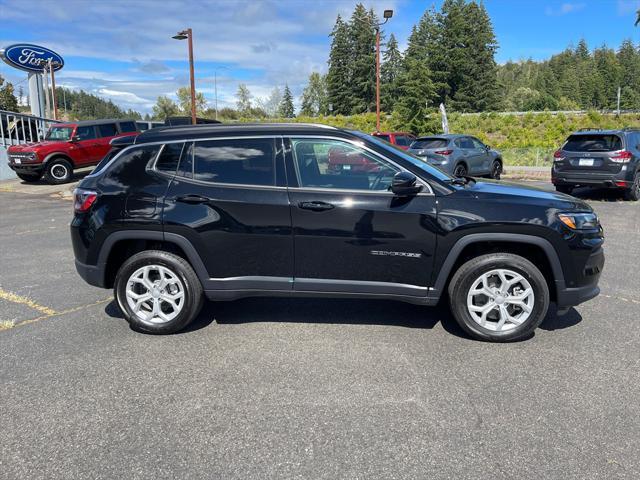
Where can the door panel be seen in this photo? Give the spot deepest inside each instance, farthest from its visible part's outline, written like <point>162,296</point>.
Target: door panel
<point>354,239</point>
<point>485,165</point>
<point>242,233</point>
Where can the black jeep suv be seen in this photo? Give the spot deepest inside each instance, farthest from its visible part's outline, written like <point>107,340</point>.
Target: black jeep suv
<point>599,158</point>
<point>248,210</point>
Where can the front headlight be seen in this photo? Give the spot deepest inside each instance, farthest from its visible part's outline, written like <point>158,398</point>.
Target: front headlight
<point>580,221</point>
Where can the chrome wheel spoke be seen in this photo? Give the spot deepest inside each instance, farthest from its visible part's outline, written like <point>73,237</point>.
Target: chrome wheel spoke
<point>155,294</point>
<point>500,300</point>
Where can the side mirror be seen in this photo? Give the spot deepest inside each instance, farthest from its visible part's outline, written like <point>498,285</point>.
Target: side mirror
<point>404,184</point>
<point>75,139</point>
<point>487,147</point>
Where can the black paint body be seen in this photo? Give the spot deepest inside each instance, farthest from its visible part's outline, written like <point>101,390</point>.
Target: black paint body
<point>245,240</point>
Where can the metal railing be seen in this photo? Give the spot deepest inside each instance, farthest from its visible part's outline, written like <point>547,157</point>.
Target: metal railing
<point>18,128</point>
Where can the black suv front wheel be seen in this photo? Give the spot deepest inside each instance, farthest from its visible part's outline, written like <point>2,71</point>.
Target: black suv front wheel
<point>158,292</point>
<point>499,297</point>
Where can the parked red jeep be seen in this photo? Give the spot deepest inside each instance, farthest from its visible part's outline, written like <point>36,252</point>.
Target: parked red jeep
<point>67,146</point>
<point>399,139</point>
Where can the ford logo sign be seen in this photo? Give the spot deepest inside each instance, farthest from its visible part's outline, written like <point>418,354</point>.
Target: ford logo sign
<point>30,57</point>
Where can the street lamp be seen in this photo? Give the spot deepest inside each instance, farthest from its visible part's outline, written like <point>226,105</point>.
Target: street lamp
<point>386,15</point>
<point>188,35</point>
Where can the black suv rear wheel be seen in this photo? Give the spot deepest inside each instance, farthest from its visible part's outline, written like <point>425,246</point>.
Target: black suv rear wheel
<point>633,193</point>
<point>499,297</point>
<point>158,292</point>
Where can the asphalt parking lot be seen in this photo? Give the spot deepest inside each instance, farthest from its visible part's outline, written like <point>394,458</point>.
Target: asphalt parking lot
<point>279,388</point>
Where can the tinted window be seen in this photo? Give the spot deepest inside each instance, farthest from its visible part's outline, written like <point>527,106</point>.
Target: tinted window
<point>386,138</point>
<point>107,130</point>
<point>86,133</point>
<point>430,143</point>
<point>402,140</point>
<point>240,161</point>
<point>170,157</point>
<point>126,127</point>
<point>335,164</point>
<point>593,143</point>
<point>186,162</point>
<point>465,143</point>
<point>142,126</point>
<point>131,166</point>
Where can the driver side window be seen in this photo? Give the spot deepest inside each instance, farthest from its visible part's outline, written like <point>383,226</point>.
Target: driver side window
<point>335,164</point>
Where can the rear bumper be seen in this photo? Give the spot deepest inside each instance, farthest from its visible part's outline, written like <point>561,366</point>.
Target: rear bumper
<point>92,274</point>
<point>622,179</point>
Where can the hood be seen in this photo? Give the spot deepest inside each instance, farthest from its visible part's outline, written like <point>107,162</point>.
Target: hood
<point>30,147</point>
<point>517,193</point>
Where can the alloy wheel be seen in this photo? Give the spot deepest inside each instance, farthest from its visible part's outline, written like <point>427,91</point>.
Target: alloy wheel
<point>155,294</point>
<point>500,300</point>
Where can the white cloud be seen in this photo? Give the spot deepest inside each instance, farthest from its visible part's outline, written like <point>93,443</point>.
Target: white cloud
<point>627,7</point>
<point>564,9</point>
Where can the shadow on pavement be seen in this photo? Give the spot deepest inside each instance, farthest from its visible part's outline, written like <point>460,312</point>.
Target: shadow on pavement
<point>340,311</point>
<point>599,194</point>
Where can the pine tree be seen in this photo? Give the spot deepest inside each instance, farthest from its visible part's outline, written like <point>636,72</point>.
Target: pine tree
<point>416,95</point>
<point>8,100</point>
<point>340,66</point>
<point>363,38</point>
<point>286,106</point>
<point>389,74</point>
<point>314,97</point>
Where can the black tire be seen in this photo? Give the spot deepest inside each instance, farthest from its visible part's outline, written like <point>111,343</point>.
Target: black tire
<point>564,189</point>
<point>464,278</point>
<point>460,170</point>
<point>496,170</point>
<point>633,193</point>
<point>193,297</point>
<point>58,171</point>
<point>29,177</point>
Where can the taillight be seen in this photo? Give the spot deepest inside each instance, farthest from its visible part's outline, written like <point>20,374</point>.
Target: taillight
<point>558,156</point>
<point>443,152</point>
<point>621,156</point>
<point>83,199</point>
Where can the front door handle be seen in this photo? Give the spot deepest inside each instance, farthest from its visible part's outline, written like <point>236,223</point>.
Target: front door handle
<point>316,206</point>
<point>192,199</point>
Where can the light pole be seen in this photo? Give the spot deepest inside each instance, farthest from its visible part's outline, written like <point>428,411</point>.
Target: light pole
<point>215,87</point>
<point>387,15</point>
<point>188,35</point>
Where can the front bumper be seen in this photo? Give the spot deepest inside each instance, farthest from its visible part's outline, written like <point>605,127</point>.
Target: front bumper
<point>27,167</point>
<point>570,297</point>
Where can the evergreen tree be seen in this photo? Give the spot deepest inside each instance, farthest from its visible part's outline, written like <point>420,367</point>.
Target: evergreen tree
<point>389,74</point>
<point>340,66</point>
<point>286,106</point>
<point>416,95</point>
<point>362,32</point>
<point>8,100</point>
<point>314,97</point>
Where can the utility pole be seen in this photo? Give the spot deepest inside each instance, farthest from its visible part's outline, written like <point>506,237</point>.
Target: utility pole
<point>618,101</point>
<point>387,15</point>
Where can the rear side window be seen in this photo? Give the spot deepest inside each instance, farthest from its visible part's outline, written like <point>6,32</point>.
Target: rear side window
<point>142,126</point>
<point>126,127</point>
<point>427,143</point>
<point>593,143</point>
<point>85,133</point>
<point>386,138</point>
<point>107,130</point>
<point>131,166</point>
<point>240,161</point>
<point>170,157</point>
<point>402,140</point>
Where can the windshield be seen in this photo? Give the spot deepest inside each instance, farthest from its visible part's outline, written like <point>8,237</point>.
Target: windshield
<point>416,161</point>
<point>593,143</point>
<point>59,133</point>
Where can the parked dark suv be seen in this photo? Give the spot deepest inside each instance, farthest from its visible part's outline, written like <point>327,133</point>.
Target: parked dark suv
<point>599,158</point>
<point>246,210</point>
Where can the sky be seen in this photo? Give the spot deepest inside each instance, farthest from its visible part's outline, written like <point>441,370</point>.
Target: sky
<point>123,50</point>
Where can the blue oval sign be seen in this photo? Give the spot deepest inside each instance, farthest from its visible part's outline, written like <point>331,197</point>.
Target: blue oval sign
<point>31,58</point>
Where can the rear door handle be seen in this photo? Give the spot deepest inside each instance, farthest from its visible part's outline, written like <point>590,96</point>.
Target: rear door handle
<point>316,206</point>
<point>192,199</point>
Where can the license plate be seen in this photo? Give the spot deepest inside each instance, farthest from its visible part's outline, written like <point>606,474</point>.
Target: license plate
<point>17,161</point>
<point>586,162</point>
<point>346,167</point>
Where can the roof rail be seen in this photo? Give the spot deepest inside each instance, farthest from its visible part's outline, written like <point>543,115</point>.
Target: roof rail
<point>589,129</point>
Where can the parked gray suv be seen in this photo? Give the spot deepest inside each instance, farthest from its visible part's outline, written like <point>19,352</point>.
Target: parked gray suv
<point>458,155</point>
<point>599,158</point>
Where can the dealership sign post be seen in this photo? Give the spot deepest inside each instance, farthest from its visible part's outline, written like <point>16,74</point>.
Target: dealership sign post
<point>33,59</point>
